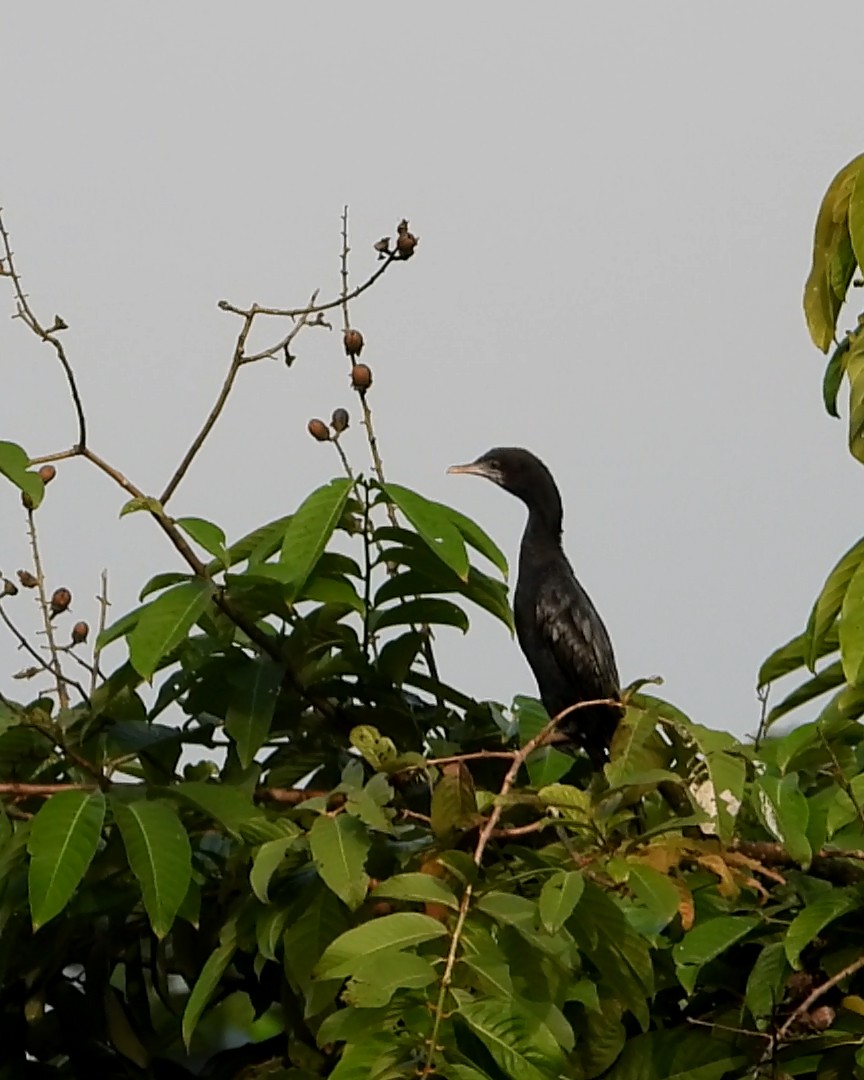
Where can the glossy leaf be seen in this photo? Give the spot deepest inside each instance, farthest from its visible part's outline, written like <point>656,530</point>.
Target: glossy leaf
<point>63,839</point>
<point>162,581</point>
<point>250,711</point>
<point>402,930</point>
<point>14,464</point>
<point>477,538</point>
<point>310,529</point>
<point>164,623</point>
<point>339,847</point>
<point>159,855</point>
<point>434,524</point>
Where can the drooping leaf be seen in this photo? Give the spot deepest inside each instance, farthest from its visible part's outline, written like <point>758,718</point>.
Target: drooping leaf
<point>14,464</point>
<point>477,538</point>
<point>454,803</point>
<point>401,930</point>
<point>250,710</point>
<point>425,610</point>
<point>164,623</point>
<point>855,373</point>
<point>265,863</point>
<point>835,369</point>
<point>159,855</point>
<point>207,982</point>
<point>794,655</point>
<point>434,524</point>
<point>833,258</point>
<point>827,679</point>
<point>63,839</point>
<point>206,535</point>
<point>310,529</point>
<point>766,983</point>
<point>830,600</point>
<point>339,847</point>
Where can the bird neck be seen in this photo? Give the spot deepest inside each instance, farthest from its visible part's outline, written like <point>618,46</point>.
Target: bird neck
<point>543,530</point>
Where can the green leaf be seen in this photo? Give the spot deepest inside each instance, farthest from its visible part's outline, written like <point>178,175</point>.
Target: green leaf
<point>206,535</point>
<point>157,583</point>
<point>827,679</point>
<point>766,983</point>
<point>142,502</point>
<point>402,930</point>
<point>855,375</point>
<point>377,749</point>
<point>635,747</point>
<point>522,1048</point>
<point>421,611</point>
<point>207,982</point>
<point>375,980</point>
<point>454,803</point>
<point>706,941</point>
<point>256,546</point>
<point>434,524</point>
<point>250,710</point>
<point>852,629</point>
<point>339,847</point>
<point>830,600</point>
<point>327,590</point>
<point>63,839</point>
<point>477,538</point>
<point>833,258</point>
<point>727,774</point>
<point>159,855</point>
<point>856,211</point>
<point>310,529</point>
<point>808,923</point>
<point>794,654</point>
<point>14,464</point>
<point>656,892</point>
<point>480,589</point>
<point>833,377</point>
<point>558,897</point>
<point>783,811</point>
<point>164,623</point>
<point>265,863</point>
<point>420,888</point>
<point>230,806</point>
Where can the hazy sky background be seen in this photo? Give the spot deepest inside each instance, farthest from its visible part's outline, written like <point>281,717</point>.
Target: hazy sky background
<point>615,204</point>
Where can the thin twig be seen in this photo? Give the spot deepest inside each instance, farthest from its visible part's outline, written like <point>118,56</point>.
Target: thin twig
<point>483,839</point>
<point>27,315</point>
<point>24,791</point>
<point>55,667</point>
<point>813,997</point>
<point>104,604</point>
<point>37,656</point>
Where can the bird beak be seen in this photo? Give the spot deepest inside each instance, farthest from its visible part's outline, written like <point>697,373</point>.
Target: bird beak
<point>477,468</point>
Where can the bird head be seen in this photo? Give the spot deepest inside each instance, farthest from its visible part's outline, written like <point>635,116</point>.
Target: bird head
<point>518,471</point>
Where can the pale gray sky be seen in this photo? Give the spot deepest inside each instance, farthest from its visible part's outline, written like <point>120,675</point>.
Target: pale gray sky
<point>615,204</point>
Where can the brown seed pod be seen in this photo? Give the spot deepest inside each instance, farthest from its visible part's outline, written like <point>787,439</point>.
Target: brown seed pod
<point>60,601</point>
<point>79,633</point>
<point>9,588</point>
<point>361,377</point>
<point>405,241</point>
<point>318,430</point>
<point>28,580</point>
<point>47,474</point>
<point>339,420</point>
<point>353,342</point>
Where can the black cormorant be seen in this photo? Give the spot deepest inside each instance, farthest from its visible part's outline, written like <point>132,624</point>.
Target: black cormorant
<point>561,634</point>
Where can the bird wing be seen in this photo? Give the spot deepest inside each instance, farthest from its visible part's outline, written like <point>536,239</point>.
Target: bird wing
<point>577,638</point>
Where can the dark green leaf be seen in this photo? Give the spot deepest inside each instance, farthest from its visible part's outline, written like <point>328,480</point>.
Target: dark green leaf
<point>833,377</point>
<point>766,984</point>
<point>808,923</point>
<point>265,864</point>
<point>207,982</point>
<point>477,538</point>
<point>423,611</point>
<point>63,839</point>
<point>157,584</point>
<point>706,941</point>
<point>226,804</point>
<point>250,710</point>
<point>523,1049</point>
